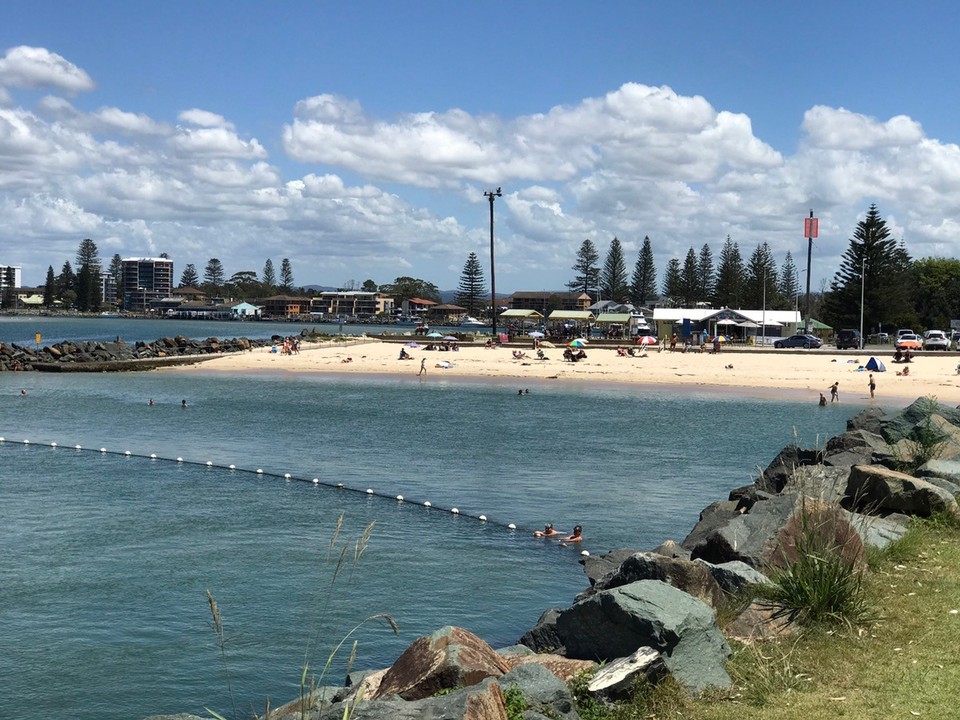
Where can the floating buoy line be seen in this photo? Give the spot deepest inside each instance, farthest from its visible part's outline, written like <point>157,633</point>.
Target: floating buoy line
<point>260,473</point>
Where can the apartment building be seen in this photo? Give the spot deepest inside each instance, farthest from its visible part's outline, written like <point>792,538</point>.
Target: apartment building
<point>146,280</point>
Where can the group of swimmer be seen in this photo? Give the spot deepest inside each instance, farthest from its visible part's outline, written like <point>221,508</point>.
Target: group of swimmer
<point>548,532</point>
<point>183,403</point>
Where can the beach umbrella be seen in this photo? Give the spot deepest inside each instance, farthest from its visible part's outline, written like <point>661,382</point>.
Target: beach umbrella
<point>413,345</point>
<point>720,338</point>
<point>646,340</point>
<point>536,334</point>
<point>435,334</point>
<point>453,338</point>
<point>578,343</point>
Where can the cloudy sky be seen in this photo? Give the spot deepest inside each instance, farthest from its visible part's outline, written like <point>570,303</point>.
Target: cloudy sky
<point>358,138</point>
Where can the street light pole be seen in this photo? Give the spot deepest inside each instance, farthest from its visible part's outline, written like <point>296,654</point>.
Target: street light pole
<point>763,342</point>
<point>492,195</point>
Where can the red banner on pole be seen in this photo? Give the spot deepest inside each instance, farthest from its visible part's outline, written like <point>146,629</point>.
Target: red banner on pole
<point>810,227</point>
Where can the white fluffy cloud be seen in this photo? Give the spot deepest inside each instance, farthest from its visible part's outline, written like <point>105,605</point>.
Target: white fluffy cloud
<point>385,196</point>
<point>32,67</point>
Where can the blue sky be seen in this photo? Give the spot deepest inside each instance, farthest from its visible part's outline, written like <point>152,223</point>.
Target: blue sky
<point>357,138</point>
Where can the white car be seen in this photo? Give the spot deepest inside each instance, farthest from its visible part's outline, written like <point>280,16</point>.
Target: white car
<point>935,340</point>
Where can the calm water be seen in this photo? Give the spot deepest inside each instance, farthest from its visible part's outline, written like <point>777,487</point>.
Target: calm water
<point>22,329</point>
<point>106,558</point>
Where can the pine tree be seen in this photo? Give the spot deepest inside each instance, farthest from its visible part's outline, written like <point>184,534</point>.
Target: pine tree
<point>471,291</point>
<point>588,273</point>
<point>189,276</point>
<point>286,276</point>
<point>705,275</point>
<point>613,279</point>
<point>66,285</point>
<point>760,287</point>
<point>644,281</point>
<point>88,289</point>
<point>116,272</point>
<point>689,281</point>
<point>673,282</point>
<point>213,275</point>
<point>730,275</point>
<point>49,288</point>
<point>268,277</point>
<point>875,267</point>
<point>789,283</point>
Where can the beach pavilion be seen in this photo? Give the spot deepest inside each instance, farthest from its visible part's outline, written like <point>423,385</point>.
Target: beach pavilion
<point>746,326</point>
<point>517,320</point>
<point>581,319</point>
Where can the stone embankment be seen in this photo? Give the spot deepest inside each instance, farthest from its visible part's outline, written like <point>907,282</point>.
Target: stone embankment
<point>653,614</point>
<point>91,356</point>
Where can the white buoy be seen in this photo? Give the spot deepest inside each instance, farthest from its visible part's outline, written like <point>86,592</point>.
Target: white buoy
<point>103,450</point>
<point>78,447</point>
<point>482,518</point>
<point>399,498</point>
<point>259,471</point>
<point>340,485</point>
<point>126,452</point>
<point>316,481</point>
<point>455,511</point>
<point>53,444</point>
<point>511,526</point>
<point>153,456</point>
<point>3,439</point>
<point>233,467</point>
<point>585,553</point>
<point>26,442</point>
<point>369,491</point>
<point>209,463</point>
<point>428,504</point>
<point>179,459</point>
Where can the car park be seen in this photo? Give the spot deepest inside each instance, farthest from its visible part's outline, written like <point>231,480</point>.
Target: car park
<point>935,340</point>
<point>908,341</point>
<point>799,341</point>
<point>849,340</point>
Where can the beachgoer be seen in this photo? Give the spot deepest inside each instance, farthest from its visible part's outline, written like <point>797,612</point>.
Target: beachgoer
<point>150,402</point>
<point>547,531</point>
<point>823,400</point>
<point>898,356</point>
<point>183,404</point>
<point>576,536</point>
<point>404,355</point>
<point>423,367</point>
<point>904,372</point>
<point>716,344</point>
<point>520,391</point>
<point>673,342</point>
<point>835,392</point>
<point>23,393</point>
<point>526,391</point>
<point>873,384</point>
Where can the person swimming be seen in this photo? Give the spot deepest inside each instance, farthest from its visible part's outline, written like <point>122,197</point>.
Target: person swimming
<point>547,531</point>
<point>576,536</point>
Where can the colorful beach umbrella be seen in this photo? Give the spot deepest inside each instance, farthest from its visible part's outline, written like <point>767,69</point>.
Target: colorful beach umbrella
<point>578,343</point>
<point>646,340</point>
<point>721,338</point>
<point>435,334</point>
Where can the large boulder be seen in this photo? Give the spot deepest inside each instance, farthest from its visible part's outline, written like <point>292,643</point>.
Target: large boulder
<point>617,680</point>
<point>543,637</point>
<point>478,702</point>
<point>942,473</point>
<point>878,532</point>
<point>815,528</point>
<point>869,419</point>
<point>903,425</point>
<point>878,490</point>
<point>563,668</point>
<point>449,658</point>
<point>823,482</point>
<point>733,576</point>
<point>597,566</point>
<point>691,577</point>
<point>616,623</point>
<point>778,472</point>
<point>543,691</point>
<point>749,536</point>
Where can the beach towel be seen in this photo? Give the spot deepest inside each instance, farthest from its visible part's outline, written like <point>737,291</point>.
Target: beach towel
<point>875,365</point>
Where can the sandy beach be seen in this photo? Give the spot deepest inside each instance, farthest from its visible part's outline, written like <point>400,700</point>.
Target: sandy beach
<point>761,373</point>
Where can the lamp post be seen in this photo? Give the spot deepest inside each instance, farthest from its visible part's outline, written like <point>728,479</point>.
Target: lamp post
<point>811,227</point>
<point>492,195</point>
<point>763,341</point>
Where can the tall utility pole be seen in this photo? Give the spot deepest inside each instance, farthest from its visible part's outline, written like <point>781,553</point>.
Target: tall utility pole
<point>492,195</point>
<point>810,228</point>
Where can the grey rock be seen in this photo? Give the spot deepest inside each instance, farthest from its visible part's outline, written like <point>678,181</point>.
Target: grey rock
<point>822,482</point>
<point>878,532</point>
<point>778,472</point>
<point>478,702</point>
<point>617,680</point>
<point>693,578</point>
<point>942,473</point>
<point>543,637</point>
<point>615,623</point>
<point>544,692</point>
<point>868,419</point>
<point>734,575</point>
<point>878,490</point>
<point>902,425</point>
<point>597,566</point>
<point>672,549</point>
<point>512,650</point>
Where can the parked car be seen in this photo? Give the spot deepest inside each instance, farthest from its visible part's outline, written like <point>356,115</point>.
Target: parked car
<point>904,331</point>
<point>955,339</point>
<point>801,341</point>
<point>908,341</point>
<point>935,340</point>
<point>849,340</point>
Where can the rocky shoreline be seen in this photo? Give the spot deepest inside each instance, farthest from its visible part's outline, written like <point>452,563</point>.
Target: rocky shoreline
<point>93,356</point>
<point>653,613</point>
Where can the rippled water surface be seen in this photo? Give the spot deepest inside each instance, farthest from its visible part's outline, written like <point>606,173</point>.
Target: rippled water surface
<point>106,558</point>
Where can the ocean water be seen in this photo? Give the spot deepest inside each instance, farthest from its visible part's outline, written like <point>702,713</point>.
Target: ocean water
<point>107,557</point>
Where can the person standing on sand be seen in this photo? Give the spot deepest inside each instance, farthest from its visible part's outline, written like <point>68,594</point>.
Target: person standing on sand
<point>423,367</point>
<point>835,392</point>
<point>872,385</point>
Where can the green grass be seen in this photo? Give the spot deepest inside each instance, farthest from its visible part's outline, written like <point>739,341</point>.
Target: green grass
<point>902,665</point>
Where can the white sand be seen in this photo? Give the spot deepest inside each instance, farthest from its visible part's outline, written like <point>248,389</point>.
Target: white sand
<point>759,373</point>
